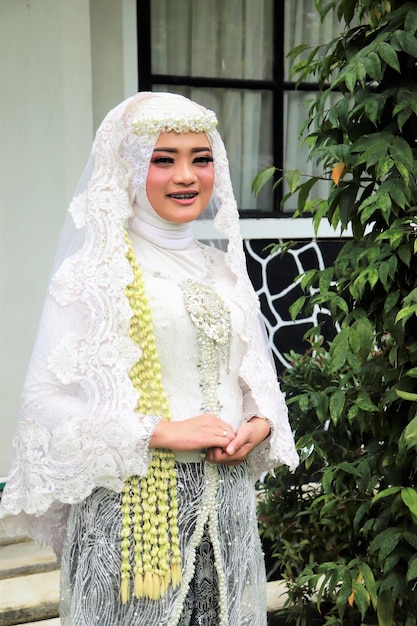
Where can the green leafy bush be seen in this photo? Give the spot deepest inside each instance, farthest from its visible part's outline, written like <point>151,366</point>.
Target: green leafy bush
<point>342,539</point>
<point>344,527</point>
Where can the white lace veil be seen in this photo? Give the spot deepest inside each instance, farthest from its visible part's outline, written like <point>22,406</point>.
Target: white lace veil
<point>83,340</point>
<point>120,160</point>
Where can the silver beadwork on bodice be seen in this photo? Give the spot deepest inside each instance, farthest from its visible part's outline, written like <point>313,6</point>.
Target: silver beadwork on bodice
<point>211,318</point>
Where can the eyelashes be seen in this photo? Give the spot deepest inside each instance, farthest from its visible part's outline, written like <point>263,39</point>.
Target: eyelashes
<point>203,159</point>
<point>167,160</point>
<point>162,160</point>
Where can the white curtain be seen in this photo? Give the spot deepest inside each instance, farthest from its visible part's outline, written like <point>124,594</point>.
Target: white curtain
<point>234,39</point>
<point>220,39</point>
<point>303,25</point>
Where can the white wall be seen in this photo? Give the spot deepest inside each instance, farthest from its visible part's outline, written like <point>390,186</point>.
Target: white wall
<point>50,105</point>
<point>114,54</point>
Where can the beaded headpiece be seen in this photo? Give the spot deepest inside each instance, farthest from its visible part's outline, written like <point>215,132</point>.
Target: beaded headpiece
<point>150,120</point>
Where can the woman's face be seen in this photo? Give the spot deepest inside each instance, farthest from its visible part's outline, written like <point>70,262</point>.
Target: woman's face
<point>180,179</point>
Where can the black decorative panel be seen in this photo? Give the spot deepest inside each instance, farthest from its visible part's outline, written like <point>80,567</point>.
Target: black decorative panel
<point>273,277</point>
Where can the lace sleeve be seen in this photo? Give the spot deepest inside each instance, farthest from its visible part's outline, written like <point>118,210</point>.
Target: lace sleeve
<point>262,397</point>
<point>74,436</point>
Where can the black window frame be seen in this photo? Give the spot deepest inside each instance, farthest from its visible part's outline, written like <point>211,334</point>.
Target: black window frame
<point>277,86</point>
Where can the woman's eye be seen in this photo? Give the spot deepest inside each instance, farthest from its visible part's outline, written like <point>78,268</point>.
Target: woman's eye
<point>162,160</point>
<point>203,160</point>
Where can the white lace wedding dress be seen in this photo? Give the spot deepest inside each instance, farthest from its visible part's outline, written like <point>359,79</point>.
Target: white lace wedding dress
<point>79,436</point>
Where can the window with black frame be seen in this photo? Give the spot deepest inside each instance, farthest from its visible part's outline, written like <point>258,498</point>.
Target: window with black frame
<point>232,57</point>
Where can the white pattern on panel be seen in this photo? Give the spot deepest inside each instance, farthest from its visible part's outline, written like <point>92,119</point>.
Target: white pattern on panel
<point>290,290</point>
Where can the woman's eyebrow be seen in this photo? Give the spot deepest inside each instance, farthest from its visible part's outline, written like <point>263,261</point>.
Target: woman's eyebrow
<point>174,150</point>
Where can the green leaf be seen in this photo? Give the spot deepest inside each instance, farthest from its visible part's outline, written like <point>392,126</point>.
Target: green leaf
<point>404,252</point>
<point>354,340</point>
<point>348,468</point>
<point>349,7</point>
<point>385,165</point>
<point>350,80</point>
<point>408,437</point>
<point>385,608</point>
<point>392,264</point>
<point>375,150</point>
<point>385,493</point>
<point>293,179</point>
<point>361,597</point>
<point>397,194</point>
<point>410,22</point>
<point>368,208</point>
<point>296,307</point>
<point>409,497</point>
<point>385,542</point>
<point>307,279</point>
<point>389,55</point>
<point>323,587</point>
<point>337,403</point>
<point>304,192</point>
<point>336,302</point>
<point>403,116</point>
<point>411,298</point>
<point>360,73</point>
<point>385,206</point>
<point>406,395</point>
<point>372,65</point>
<point>412,571</point>
<point>261,179</point>
<point>318,215</point>
<point>391,562</point>
<point>370,584</point>
<point>411,538</point>
<point>365,403</point>
<point>373,276</point>
<point>401,152</point>
<point>405,41</point>
<point>406,313</point>
<point>339,350</point>
<point>359,515</point>
<point>294,52</point>
<point>346,202</point>
<point>403,171</point>
<point>304,403</point>
<point>325,279</point>
<point>383,275</point>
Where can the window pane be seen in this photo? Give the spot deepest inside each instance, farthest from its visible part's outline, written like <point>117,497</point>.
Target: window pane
<point>245,122</point>
<point>303,25</point>
<point>296,105</point>
<point>216,38</point>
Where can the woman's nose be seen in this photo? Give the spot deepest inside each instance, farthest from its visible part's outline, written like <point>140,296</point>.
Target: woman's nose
<point>184,174</point>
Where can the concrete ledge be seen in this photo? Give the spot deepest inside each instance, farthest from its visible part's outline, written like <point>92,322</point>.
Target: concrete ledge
<point>29,598</point>
<point>276,595</point>
<point>18,559</point>
<point>14,617</point>
<point>47,622</point>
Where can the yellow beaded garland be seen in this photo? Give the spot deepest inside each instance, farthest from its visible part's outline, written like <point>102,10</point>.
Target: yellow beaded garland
<point>149,504</point>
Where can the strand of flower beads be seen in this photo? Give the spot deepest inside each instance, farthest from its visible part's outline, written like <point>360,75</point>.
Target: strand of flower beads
<point>125,543</point>
<point>149,504</point>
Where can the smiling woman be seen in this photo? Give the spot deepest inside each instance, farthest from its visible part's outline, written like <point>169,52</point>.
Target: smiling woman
<point>151,403</point>
<point>181,176</point>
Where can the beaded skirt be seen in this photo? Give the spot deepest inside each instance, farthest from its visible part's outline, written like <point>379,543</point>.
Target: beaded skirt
<point>222,562</point>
